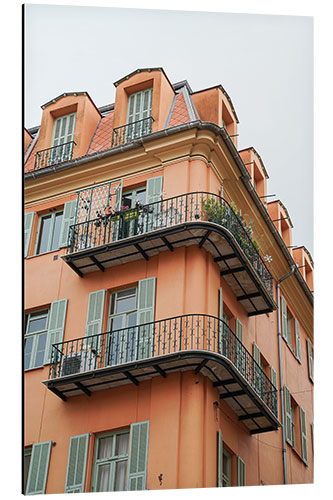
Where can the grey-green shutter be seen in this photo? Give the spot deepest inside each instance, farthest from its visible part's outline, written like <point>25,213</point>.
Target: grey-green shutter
<point>154,189</point>
<point>297,341</point>
<point>219,459</point>
<point>238,346</point>
<point>221,318</point>
<point>138,454</point>
<point>288,416</point>
<point>273,376</point>
<point>241,479</point>
<point>63,130</point>
<point>77,464</point>
<point>310,358</point>
<point>117,204</point>
<point>28,220</point>
<point>38,469</point>
<point>67,220</point>
<point>146,307</point>
<point>256,367</point>
<point>95,313</point>
<point>152,218</point>
<point>303,434</point>
<point>284,322</point>
<point>56,327</point>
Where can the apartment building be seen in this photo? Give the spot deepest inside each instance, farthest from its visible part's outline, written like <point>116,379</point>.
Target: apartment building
<point>168,334</point>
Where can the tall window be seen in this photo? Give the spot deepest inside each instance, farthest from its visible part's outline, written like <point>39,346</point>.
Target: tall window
<point>49,230</point>
<point>226,475</point>
<point>63,135</point>
<point>26,465</point>
<point>110,464</point>
<point>130,199</point>
<point>35,339</point>
<point>139,109</point>
<point>123,316</point>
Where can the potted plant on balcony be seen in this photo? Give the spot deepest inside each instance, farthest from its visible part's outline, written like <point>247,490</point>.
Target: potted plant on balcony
<point>214,210</point>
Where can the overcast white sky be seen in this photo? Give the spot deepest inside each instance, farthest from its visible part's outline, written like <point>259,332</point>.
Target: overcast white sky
<point>265,63</point>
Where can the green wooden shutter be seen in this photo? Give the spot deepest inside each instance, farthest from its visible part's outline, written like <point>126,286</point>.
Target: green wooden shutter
<point>273,376</point>
<point>256,367</point>
<point>312,436</point>
<point>56,327</point>
<point>63,130</point>
<point>95,313</point>
<point>67,219</point>
<point>152,218</point>
<point>137,460</point>
<point>297,341</point>
<point>221,318</point>
<point>146,306</point>
<point>219,459</point>
<point>28,220</point>
<point>38,469</point>
<point>77,463</point>
<point>154,189</point>
<point>238,347</point>
<point>310,359</point>
<point>284,320</point>
<point>288,415</point>
<point>241,479</point>
<point>303,434</point>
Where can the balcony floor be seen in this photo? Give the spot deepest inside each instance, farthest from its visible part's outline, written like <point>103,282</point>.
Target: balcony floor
<point>232,386</point>
<point>235,267</point>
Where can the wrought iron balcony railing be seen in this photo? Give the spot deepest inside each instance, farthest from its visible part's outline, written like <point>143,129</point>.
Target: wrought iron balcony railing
<point>192,332</point>
<point>167,213</point>
<point>131,131</point>
<point>56,154</point>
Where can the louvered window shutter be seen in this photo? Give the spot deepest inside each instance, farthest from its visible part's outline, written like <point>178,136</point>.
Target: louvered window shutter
<point>153,217</point>
<point>138,455</point>
<point>238,346</point>
<point>38,469</point>
<point>95,313</point>
<point>28,220</point>
<point>273,376</point>
<point>241,480</point>
<point>219,459</point>
<point>288,416</point>
<point>63,130</point>
<point>67,220</point>
<point>284,320</point>
<point>56,327</point>
<point>310,359</point>
<point>221,318</point>
<point>146,307</point>
<point>297,341</point>
<point>77,463</point>
<point>239,329</point>
<point>154,189</point>
<point>303,434</point>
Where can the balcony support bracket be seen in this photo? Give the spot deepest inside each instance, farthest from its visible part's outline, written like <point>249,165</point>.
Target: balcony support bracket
<point>249,296</point>
<point>82,388</point>
<point>160,371</point>
<point>58,393</point>
<point>263,429</point>
<point>143,253</point>
<point>231,394</point>
<point>168,244</point>
<point>131,378</point>
<point>250,415</point>
<point>232,271</point>
<point>204,238</point>
<point>98,264</point>
<point>201,365</point>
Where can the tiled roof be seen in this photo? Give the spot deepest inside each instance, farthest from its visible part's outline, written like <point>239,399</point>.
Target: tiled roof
<point>180,113</point>
<point>103,134</point>
<point>29,165</point>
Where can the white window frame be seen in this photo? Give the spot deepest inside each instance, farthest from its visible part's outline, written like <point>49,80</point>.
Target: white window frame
<point>35,335</point>
<point>51,232</point>
<point>110,460</point>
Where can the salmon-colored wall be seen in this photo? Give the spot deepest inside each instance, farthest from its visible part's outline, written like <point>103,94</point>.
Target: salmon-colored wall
<point>183,420</point>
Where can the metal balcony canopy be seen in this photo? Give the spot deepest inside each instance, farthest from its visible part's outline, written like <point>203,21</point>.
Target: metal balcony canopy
<point>196,342</point>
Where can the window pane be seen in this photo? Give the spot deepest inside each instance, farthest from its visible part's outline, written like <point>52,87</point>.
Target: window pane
<point>105,447</point>
<point>132,319</point>
<point>41,343</point>
<point>141,197</point>
<point>37,324</point>
<point>120,476</point>
<point>44,234</point>
<point>116,323</point>
<point>103,478</point>
<point>27,351</point>
<point>127,200</point>
<point>56,231</point>
<point>122,444</point>
<point>27,457</point>
<point>126,304</point>
<point>126,293</point>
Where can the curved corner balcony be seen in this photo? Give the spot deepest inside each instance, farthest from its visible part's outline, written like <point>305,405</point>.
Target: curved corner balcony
<point>196,342</point>
<point>202,219</point>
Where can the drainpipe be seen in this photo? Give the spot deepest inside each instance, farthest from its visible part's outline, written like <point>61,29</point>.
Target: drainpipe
<point>284,450</point>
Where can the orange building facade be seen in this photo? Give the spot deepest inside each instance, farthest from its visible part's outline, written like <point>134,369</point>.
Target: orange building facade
<point>165,308</point>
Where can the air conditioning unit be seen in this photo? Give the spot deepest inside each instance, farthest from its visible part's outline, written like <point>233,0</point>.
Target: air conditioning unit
<point>78,362</point>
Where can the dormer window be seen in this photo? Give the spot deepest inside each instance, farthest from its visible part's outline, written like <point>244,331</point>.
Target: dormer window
<point>139,113</point>
<point>63,137</point>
